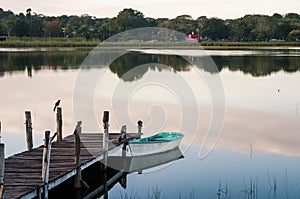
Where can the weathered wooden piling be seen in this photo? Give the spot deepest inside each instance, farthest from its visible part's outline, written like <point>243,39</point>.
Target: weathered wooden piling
<point>122,138</point>
<point>140,126</point>
<point>2,195</point>
<point>77,132</point>
<point>2,163</point>
<point>28,124</point>
<point>105,136</point>
<point>2,166</point>
<point>46,163</point>
<point>0,131</point>
<point>59,123</point>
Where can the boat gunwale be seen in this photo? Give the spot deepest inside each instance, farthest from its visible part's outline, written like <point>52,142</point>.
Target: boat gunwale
<point>178,136</point>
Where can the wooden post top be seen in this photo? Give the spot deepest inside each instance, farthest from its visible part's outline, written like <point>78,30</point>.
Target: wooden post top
<point>140,123</point>
<point>27,112</point>
<point>59,113</point>
<point>2,160</point>
<point>105,116</point>
<point>47,138</point>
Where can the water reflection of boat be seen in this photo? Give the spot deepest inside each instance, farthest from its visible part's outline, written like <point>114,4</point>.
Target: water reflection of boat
<point>158,143</point>
<point>139,163</point>
<point>120,166</point>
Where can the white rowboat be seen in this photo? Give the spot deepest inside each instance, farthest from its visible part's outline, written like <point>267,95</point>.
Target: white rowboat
<point>158,143</point>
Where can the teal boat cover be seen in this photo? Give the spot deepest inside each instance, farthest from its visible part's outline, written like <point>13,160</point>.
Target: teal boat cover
<point>160,137</point>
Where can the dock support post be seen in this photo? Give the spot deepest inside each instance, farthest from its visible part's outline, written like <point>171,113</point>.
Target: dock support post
<point>123,138</point>
<point>2,163</point>
<point>59,124</point>
<point>0,131</point>
<point>105,136</point>
<point>46,163</point>
<point>140,126</point>
<point>105,147</point>
<point>77,132</point>
<point>28,130</point>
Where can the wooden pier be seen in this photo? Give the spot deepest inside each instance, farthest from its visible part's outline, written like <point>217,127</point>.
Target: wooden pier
<point>38,171</point>
<point>23,172</point>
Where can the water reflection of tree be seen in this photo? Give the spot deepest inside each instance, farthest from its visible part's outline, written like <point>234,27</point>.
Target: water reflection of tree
<point>258,65</point>
<point>133,65</point>
<point>254,65</point>
<point>21,61</point>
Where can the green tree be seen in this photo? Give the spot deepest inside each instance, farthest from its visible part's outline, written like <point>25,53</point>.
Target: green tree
<point>128,19</point>
<point>277,16</point>
<point>292,16</point>
<point>294,35</point>
<point>184,24</point>
<point>264,28</point>
<point>3,30</point>
<point>2,13</point>
<point>36,28</point>
<point>201,20</point>
<point>282,29</point>
<point>20,28</point>
<point>151,22</point>
<point>28,13</point>
<point>215,29</point>
<point>8,23</point>
<point>104,31</point>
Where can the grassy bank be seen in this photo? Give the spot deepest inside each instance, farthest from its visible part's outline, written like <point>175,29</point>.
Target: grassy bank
<point>253,43</point>
<point>47,42</point>
<point>26,42</point>
<point>81,42</point>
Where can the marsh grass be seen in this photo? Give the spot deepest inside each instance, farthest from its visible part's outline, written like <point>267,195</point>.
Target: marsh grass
<point>24,42</point>
<point>254,43</point>
<point>17,42</point>
<point>154,193</point>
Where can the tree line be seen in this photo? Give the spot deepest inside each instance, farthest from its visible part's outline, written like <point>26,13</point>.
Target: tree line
<point>248,28</point>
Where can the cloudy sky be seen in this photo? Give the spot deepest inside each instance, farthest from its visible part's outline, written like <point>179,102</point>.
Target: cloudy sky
<point>225,9</point>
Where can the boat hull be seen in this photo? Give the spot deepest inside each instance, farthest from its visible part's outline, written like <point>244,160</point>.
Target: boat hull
<point>140,149</point>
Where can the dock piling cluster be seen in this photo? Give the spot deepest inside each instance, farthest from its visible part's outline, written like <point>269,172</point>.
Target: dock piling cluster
<point>69,158</point>
<point>2,166</point>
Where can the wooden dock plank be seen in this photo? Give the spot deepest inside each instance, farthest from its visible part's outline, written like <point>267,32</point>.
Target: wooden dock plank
<point>23,171</point>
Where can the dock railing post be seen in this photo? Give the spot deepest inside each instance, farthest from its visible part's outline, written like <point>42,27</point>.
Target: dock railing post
<point>105,136</point>
<point>77,132</point>
<point>140,126</point>
<point>0,131</point>
<point>2,164</point>
<point>123,136</point>
<point>28,124</point>
<point>46,163</point>
<point>59,123</point>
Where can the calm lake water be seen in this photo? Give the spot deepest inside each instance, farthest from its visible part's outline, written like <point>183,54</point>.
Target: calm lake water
<point>239,111</point>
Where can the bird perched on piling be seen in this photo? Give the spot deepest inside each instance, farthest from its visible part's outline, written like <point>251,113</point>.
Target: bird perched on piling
<point>56,105</point>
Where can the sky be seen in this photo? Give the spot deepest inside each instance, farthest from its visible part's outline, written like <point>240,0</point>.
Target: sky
<point>224,9</point>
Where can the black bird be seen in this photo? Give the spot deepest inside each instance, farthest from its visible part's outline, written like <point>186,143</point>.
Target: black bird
<point>56,105</point>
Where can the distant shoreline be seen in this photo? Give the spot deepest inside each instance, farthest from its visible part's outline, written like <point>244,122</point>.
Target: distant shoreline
<point>67,45</point>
